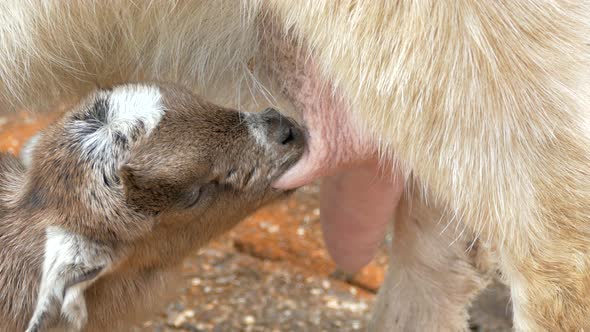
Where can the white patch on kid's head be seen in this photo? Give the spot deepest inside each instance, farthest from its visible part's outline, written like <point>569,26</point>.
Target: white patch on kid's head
<point>107,126</point>
<point>132,103</point>
<point>117,116</point>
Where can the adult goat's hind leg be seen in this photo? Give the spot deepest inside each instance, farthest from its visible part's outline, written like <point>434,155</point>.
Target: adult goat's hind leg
<point>434,274</point>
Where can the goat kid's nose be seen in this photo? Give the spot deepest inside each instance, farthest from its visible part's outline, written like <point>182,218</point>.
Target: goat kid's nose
<point>281,130</point>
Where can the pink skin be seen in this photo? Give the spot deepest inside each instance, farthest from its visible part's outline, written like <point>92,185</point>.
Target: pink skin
<point>356,206</point>
<point>358,198</point>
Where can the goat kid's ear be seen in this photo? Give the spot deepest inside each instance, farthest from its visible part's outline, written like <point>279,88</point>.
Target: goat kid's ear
<point>71,264</point>
<point>149,192</point>
<point>141,192</point>
<point>153,184</point>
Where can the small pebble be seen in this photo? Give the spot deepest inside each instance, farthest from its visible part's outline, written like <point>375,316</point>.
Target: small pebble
<point>224,280</point>
<point>201,326</point>
<point>249,320</point>
<point>356,325</point>
<point>353,306</point>
<point>181,318</point>
<point>333,304</point>
<point>300,231</point>
<point>272,229</point>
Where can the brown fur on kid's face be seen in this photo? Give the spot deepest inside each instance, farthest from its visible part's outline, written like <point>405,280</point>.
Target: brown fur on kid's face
<point>179,154</point>
<point>133,180</point>
<point>207,162</point>
<point>222,152</point>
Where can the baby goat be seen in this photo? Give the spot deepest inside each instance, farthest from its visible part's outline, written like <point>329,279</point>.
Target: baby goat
<point>118,192</point>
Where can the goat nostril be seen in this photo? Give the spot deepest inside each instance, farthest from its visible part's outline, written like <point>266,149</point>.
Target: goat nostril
<point>280,128</point>
<point>288,136</point>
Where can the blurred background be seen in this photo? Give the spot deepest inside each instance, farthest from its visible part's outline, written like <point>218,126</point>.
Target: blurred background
<point>271,273</point>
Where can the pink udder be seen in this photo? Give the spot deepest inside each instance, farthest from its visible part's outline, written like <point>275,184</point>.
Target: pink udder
<point>357,202</point>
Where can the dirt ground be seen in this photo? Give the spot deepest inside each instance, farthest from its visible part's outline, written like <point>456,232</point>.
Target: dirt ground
<point>271,273</point>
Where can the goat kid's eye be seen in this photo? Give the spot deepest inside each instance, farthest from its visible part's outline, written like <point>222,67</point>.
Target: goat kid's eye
<point>192,197</point>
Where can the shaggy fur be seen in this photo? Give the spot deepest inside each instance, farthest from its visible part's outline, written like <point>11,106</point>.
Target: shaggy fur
<point>118,193</point>
<point>485,102</point>
<point>435,271</point>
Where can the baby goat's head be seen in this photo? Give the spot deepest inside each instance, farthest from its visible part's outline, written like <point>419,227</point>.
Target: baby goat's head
<point>131,164</point>
<point>152,150</point>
